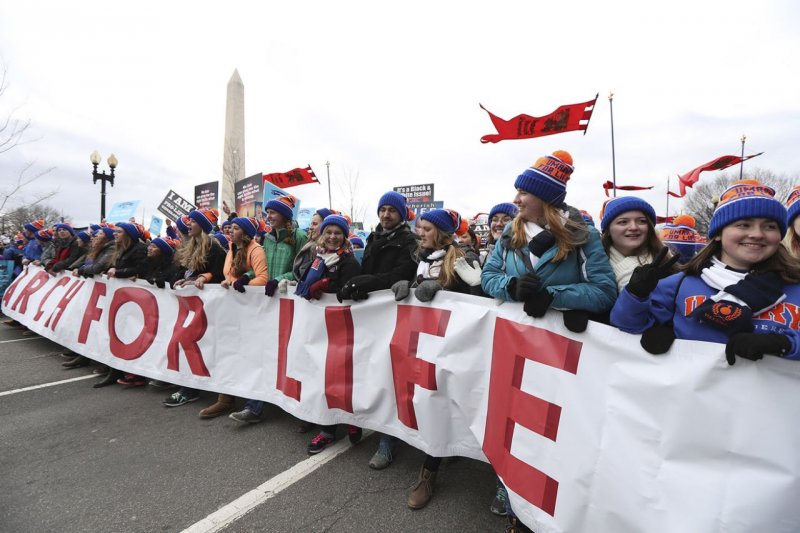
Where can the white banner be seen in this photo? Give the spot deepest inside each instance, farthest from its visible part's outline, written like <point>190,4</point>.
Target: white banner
<point>589,432</point>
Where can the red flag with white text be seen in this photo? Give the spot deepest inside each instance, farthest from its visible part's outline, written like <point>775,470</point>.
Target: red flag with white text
<point>297,176</point>
<point>720,163</point>
<point>571,117</point>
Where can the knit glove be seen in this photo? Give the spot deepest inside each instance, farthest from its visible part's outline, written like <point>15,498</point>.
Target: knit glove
<point>538,304</point>
<point>525,287</point>
<point>542,242</point>
<point>158,282</point>
<point>271,287</point>
<point>240,282</point>
<point>724,315</point>
<point>576,320</point>
<point>658,339</point>
<point>317,288</point>
<point>426,290</point>
<point>283,286</point>
<point>754,346</point>
<point>645,278</point>
<point>469,274</point>
<point>401,290</point>
<point>359,287</point>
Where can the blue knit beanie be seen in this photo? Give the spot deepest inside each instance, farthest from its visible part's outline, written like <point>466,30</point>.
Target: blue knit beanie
<point>131,229</point>
<point>504,208</point>
<point>108,231</point>
<point>284,205</point>
<point>85,237</point>
<point>793,205</point>
<point>248,224</point>
<point>336,220</point>
<point>396,200</point>
<point>447,220</point>
<point>206,218</point>
<point>66,227</point>
<point>164,246</point>
<point>614,207</point>
<point>747,199</point>
<point>222,239</point>
<point>547,178</point>
<point>681,237</point>
<point>324,212</point>
<point>183,224</point>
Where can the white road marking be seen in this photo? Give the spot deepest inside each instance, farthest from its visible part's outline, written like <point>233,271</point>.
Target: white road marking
<point>53,384</point>
<point>25,339</point>
<point>233,511</point>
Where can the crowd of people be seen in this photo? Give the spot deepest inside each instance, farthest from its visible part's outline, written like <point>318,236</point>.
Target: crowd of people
<point>734,289</point>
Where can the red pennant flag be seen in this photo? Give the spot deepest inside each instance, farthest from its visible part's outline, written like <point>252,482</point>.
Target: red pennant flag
<point>566,118</point>
<point>610,186</point>
<point>720,163</point>
<point>297,176</point>
<point>664,220</point>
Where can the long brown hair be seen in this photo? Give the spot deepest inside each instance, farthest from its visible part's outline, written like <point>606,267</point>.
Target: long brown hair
<point>447,273</point>
<point>781,262</point>
<point>194,251</point>
<point>98,244</point>
<point>564,232</point>
<point>120,246</point>
<point>239,263</point>
<point>792,242</point>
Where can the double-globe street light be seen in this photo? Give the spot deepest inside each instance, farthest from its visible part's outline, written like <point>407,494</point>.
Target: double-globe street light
<point>103,177</point>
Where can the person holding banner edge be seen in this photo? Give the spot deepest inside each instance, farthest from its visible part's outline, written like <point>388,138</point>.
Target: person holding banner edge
<point>741,290</point>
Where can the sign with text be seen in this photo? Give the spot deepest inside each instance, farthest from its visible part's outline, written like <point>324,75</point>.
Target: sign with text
<point>207,195</point>
<point>272,191</point>
<point>423,207</point>
<point>588,432</point>
<point>248,196</point>
<point>122,211</point>
<point>156,222</point>
<point>416,193</point>
<point>174,206</point>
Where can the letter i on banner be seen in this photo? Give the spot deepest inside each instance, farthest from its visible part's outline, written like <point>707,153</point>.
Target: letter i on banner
<point>509,405</point>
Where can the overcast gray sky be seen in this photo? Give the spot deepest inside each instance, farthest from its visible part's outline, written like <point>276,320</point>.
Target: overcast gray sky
<point>391,91</point>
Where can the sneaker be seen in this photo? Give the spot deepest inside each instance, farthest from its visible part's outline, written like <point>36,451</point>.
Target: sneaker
<point>383,457</point>
<point>132,380</point>
<point>319,443</point>
<point>178,399</point>
<point>245,415</point>
<point>354,434</point>
<point>498,506</point>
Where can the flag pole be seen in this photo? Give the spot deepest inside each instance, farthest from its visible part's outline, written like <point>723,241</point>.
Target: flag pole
<point>667,213</point>
<point>741,165</point>
<point>330,202</point>
<point>613,155</point>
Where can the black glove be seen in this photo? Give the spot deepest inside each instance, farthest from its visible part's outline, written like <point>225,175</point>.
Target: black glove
<point>645,278</point>
<point>359,287</point>
<point>724,315</point>
<point>160,283</point>
<point>538,304</point>
<point>526,287</point>
<point>576,320</point>
<point>754,346</point>
<point>542,242</point>
<point>658,339</point>
<point>241,281</point>
<point>270,287</point>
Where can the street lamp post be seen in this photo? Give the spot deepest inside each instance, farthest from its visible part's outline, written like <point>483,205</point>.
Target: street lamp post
<point>103,177</point>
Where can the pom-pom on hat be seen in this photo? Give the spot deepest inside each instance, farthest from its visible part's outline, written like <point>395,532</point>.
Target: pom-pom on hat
<point>66,227</point>
<point>223,240</point>
<point>284,205</point>
<point>134,231</point>
<point>166,245</point>
<point>34,226</point>
<point>614,207</point>
<point>335,220</point>
<point>747,199</point>
<point>44,235</point>
<point>446,220</point>
<point>262,228</point>
<point>206,218</point>
<point>183,224</point>
<point>793,205</point>
<point>547,177</point>
<point>681,237</point>
<point>356,241</point>
<point>85,237</point>
<point>399,202</point>
<point>248,224</point>
<point>19,238</point>
<point>505,208</point>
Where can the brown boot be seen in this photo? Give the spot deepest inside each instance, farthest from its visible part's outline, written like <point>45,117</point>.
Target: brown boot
<point>422,492</point>
<point>224,405</point>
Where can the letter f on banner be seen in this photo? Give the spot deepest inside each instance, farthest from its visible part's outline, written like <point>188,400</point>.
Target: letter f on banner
<point>509,405</point>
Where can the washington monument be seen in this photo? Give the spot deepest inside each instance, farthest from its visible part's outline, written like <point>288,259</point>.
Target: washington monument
<point>233,154</point>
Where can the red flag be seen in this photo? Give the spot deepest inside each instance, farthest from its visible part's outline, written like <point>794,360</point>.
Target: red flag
<point>610,186</point>
<point>566,118</point>
<point>664,220</point>
<point>297,176</point>
<point>720,163</point>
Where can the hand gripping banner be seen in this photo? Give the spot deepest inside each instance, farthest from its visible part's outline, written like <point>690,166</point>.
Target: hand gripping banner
<point>588,432</point>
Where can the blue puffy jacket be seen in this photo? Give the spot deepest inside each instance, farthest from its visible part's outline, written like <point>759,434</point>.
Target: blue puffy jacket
<point>584,280</point>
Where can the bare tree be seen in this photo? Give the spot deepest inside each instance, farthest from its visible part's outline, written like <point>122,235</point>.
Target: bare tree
<point>702,198</point>
<point>352,204</point>
<point>14,133</point>
<point>13,220</point>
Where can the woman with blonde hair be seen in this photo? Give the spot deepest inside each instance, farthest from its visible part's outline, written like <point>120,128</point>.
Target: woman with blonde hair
<point>792,240</point>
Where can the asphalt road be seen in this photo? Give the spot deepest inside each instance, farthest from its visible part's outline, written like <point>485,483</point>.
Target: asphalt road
<point>74,458</point>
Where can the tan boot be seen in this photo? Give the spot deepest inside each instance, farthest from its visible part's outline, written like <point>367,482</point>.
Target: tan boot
<point>223,405</point>
<point>422,492</point>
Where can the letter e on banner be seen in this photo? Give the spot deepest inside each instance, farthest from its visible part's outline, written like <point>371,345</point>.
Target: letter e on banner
<point>289,386</point>
<point>149,306</point>
<point>187,336</point>
<point>339,360</point>
<point>509,405</point>
<point>407,369</point>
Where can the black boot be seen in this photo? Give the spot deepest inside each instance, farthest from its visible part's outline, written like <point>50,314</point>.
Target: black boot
<point>110,379</point>
<point>77,362</point>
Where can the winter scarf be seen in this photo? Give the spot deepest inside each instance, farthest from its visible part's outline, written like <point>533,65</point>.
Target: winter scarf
<point>319,267</point>
<point>624,265</point>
